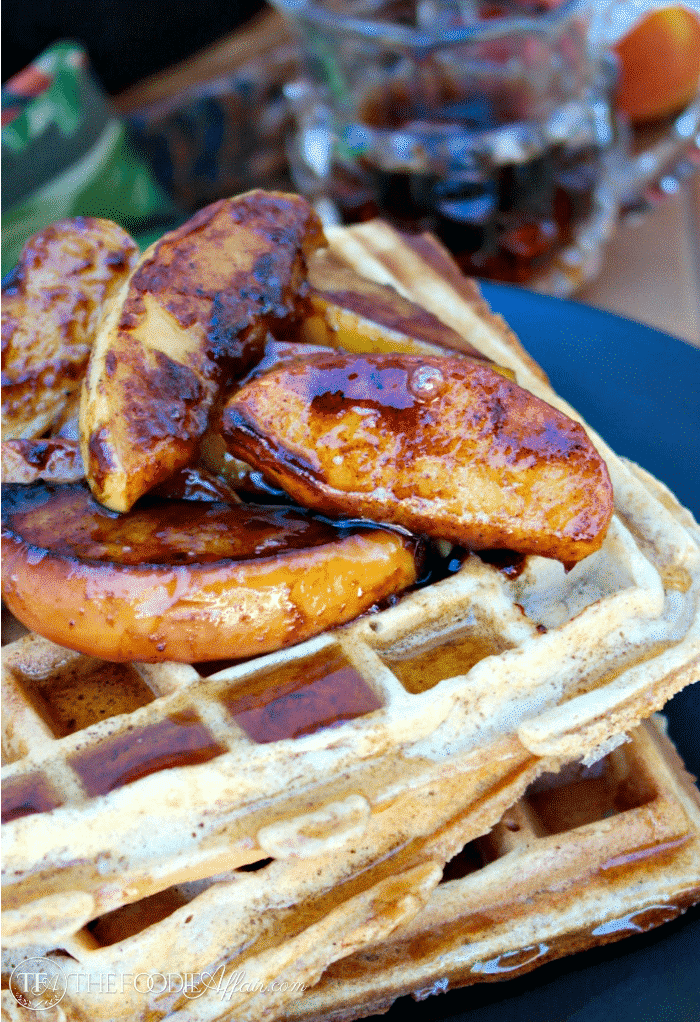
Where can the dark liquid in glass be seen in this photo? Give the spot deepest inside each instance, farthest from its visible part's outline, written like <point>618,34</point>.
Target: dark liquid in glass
<point>505,221</point>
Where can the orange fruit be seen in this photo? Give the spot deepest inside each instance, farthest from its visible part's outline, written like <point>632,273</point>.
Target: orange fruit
<point>659,64</point>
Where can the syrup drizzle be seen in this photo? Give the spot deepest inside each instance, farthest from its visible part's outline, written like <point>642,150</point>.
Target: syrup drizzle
<point>431,666</point>
<point>300,698</point>
<point>23,796</point>
<point>179,740</point>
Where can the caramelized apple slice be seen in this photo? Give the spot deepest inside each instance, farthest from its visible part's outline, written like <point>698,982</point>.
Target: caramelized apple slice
<point>57,460</point>
<point>193,315</point>
<point>442,446</point>
<point>360,316</point>
<point>52,303</point>
<point>187,582</point>
<point>54,460</point>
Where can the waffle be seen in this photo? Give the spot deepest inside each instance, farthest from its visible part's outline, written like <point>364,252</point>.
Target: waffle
<point>588,856</point>
<point>346,760</point>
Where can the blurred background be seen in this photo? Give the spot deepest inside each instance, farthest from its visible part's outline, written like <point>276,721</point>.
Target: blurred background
<point>126,42</point>
<point>584,181</point>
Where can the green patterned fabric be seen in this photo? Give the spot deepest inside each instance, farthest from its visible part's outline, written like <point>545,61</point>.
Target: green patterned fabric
<point>64,153</point>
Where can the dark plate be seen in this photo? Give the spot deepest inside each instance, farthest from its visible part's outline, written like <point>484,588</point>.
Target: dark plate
<point>641,390</point>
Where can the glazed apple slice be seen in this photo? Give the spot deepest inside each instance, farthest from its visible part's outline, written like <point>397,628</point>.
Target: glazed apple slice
<point>193,315</point>
<point>356,315</point>
<point>187,582</point>
<point>57,460</point>
<point>441,446</point>
<point>52,303</point>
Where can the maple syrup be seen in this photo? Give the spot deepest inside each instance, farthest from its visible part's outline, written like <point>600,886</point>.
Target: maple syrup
<point>179,740</point>
<point>421,671</point>
<point>25,795</point>
<point>301,697</point>
<point>488,131</point>
<point>509,228</point>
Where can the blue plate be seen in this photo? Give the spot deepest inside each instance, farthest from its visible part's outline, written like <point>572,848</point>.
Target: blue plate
<point>641,390</point>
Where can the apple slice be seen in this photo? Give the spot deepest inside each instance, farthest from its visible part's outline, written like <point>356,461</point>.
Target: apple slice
<point>193,315</point>
<point>53,459</point>
<point>187,582</point>
<point>441,446</point>
<point>52,303</point>
<point>347,311</point>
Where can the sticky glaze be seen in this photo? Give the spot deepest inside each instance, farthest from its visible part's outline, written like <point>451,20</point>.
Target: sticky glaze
<point>189,581</point>
<point>178,740</point>
<point>50,311</point>
<point>193,317</point>
<point>68,521</point>
<point>426,669</point>
<point>300,698</point>
<point>25,795</point>
<point>443,446</point>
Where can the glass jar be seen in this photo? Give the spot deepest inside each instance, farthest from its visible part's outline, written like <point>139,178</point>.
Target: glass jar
<point>487,123</point>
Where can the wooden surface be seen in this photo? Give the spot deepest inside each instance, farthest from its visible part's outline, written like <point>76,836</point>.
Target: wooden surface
<point>651,269</point>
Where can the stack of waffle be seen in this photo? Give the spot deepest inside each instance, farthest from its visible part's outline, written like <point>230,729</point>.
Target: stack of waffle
<point>453,789</point>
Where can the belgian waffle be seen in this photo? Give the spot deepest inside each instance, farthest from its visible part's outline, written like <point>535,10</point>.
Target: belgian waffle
<point>588,856</point>
<point>343,759</point>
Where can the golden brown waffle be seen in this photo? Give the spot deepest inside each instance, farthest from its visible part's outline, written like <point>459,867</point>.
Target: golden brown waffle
<point>588,856</point>
<point>343,759</point>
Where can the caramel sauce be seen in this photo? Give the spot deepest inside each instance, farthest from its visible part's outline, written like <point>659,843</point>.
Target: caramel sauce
<point>300,698</point>
<point>383,436</point>
<point>396,385</point>
<point>72,700</point>
<point>418,673</point>
<point>179,740</point>
<point>25,795</point>
<point>196,484</point>
<point>65,519</point>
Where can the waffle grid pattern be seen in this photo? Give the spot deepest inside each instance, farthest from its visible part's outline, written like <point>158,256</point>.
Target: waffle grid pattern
<point>625,642</point>
<point>583,858</point>
<point>536,888</point>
